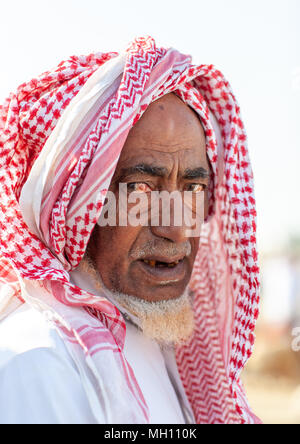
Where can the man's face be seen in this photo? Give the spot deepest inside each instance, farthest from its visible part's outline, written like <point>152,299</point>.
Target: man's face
<point>164,151</point>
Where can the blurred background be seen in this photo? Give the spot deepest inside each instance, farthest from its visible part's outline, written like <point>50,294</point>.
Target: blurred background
<point>256,45</point>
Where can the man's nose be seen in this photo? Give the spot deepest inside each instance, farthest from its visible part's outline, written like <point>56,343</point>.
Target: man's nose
<point>172,233</point>
<point>170,223</point>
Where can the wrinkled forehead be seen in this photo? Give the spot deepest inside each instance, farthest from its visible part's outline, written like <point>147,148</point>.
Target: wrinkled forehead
<point>168,119</point>
<point>168,131</point>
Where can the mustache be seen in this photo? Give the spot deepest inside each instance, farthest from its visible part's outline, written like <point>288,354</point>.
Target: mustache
<point>155,248</point>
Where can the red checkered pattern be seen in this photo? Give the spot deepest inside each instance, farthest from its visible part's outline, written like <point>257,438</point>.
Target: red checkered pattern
<point>225,277</point>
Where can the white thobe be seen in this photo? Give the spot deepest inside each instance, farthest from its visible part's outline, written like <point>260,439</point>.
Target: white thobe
<point>40,384</point>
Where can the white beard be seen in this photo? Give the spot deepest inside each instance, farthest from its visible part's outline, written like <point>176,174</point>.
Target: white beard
<point>168,321</point>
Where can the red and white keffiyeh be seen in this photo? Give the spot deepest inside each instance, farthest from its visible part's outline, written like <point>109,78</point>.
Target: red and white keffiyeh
<point>61,135</point>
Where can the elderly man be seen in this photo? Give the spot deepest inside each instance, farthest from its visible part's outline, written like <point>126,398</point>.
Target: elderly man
<point>132,321</point>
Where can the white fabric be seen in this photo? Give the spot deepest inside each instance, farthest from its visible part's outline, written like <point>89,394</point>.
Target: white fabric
<point>155,369</point>
<point>147,361</point>
<point>40,384</point>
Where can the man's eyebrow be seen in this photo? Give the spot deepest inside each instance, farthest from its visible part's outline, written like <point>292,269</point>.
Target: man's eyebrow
<point>196,173</point>
<point>156,171</point>
<point>144,168</point>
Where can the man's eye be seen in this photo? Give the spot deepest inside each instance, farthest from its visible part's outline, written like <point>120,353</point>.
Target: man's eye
<point>196,187</point>
<point>138,187</point>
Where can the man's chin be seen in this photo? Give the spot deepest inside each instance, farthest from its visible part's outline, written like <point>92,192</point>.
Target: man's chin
<point>170,328</point>
<point>168,321</point>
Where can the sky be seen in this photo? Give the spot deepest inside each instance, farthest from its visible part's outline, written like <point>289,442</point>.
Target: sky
<point>254,43</point>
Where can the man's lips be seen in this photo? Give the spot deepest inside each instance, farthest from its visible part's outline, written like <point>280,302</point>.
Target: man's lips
<point>162,269</point>
<point>159,258</point>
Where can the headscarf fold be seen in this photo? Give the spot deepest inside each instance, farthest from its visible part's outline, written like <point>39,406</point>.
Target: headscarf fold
<point>61,136</point>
